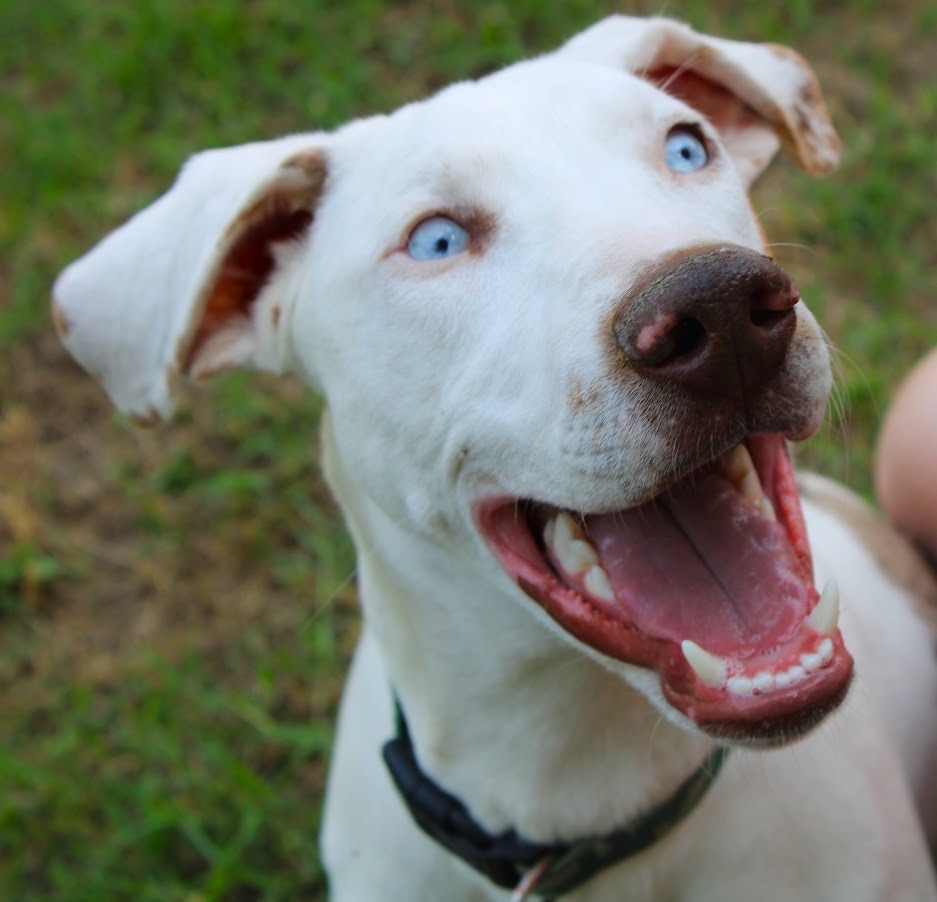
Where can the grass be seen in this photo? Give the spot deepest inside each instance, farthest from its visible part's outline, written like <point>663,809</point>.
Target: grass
<point>175,606</point>
<point>171,767</point>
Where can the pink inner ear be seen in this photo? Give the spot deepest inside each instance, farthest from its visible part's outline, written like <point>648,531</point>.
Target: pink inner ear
<point>245,271</point>
<point>719,105</point>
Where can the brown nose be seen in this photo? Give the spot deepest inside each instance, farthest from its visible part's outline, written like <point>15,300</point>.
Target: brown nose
<point>717,320</point>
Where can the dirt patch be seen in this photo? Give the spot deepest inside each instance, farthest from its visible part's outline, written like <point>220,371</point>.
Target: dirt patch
<point>112,565</point>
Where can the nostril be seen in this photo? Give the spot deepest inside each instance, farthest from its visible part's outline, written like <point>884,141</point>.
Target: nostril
<point>765,319</point>
<point>773,303</point>
<point>664,339</point>
<point>687,336</point>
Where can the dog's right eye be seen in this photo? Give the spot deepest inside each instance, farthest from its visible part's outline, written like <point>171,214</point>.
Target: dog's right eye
<point>436,239</point>
<point>685,149</point>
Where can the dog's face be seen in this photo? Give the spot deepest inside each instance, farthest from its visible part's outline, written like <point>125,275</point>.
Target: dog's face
<point>538,309</point>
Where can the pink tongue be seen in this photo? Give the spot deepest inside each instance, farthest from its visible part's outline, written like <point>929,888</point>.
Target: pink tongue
<point>702,563</point>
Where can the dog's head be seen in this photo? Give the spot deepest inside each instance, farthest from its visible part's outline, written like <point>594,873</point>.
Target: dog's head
<point>538,308</point>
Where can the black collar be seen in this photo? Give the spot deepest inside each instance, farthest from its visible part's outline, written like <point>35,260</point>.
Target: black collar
<point>509,860</point>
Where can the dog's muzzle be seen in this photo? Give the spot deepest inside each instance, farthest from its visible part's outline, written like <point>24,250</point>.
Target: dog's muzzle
<point>708,579</point>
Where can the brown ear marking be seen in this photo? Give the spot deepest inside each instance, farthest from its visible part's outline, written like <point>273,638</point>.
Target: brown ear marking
<point>718,104</point>
<point>810,135</point>
<point>246,269</point>
<point>283,214</point>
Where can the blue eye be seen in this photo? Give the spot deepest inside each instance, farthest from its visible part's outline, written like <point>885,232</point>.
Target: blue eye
<point>685,150</point>
<point>436,239</point>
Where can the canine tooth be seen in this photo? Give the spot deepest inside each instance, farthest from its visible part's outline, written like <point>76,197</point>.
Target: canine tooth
<point>811,662</point>
<point>740,686</point>
<point>825,651</point>
<point>763,682</point>
<point>767,509</point>
<point>597,584</point>
<point>740,468</point>
<point>737,463</point>
<point>567,528</point>
<point>824,618</point>
<point>710,668</point>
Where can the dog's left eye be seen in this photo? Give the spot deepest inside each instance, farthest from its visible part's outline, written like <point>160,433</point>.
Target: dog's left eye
<point>685,150</point>
<point>437,238</point>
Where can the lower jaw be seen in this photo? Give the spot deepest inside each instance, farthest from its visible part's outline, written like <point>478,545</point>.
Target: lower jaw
<point>770,719</point>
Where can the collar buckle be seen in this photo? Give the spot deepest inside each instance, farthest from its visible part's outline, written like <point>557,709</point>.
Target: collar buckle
<point>528,885</point>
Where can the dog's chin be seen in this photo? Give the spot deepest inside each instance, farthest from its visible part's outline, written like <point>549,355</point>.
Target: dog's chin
<point>709,584</point>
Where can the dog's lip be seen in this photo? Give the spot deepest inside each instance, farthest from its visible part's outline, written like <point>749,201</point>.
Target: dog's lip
<point>789,706</point>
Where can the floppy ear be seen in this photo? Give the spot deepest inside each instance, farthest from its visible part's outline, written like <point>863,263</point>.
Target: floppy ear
<point>197,282</point>
<point>756,95</point>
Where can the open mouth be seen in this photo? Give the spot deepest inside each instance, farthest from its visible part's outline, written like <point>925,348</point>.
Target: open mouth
<point>710,584</point>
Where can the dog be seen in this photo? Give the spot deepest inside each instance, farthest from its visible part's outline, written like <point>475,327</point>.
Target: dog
<point>613,647</point>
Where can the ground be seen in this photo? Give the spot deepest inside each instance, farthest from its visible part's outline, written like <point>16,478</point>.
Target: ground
<point>177,606</point>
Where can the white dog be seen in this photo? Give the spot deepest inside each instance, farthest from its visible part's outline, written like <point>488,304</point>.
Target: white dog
<point>560,377</point>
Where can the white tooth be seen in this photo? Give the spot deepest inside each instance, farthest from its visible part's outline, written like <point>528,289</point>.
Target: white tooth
<point>710,668</point>
<point>597,584</point>
<point>796,673</point>
<point>549,532</point>
<point>767,509</point>
<point>811,662</point>
<point>737,463</point>
<point>740,468</point>
<point>567,528</point>
<point>573,552</point>
<point>824,618</point>
<point>581,557</point>
<point>740,686</point>
<point>750,487</point>
<point>764,682</point>
<point>825,650</point>
<point>783,679</point>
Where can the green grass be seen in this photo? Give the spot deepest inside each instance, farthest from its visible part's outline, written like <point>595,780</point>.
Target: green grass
<point>169,782</point>
<point>175,612</point>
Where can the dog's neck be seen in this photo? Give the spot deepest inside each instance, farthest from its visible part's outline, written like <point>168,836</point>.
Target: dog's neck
<point>531,733</point>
